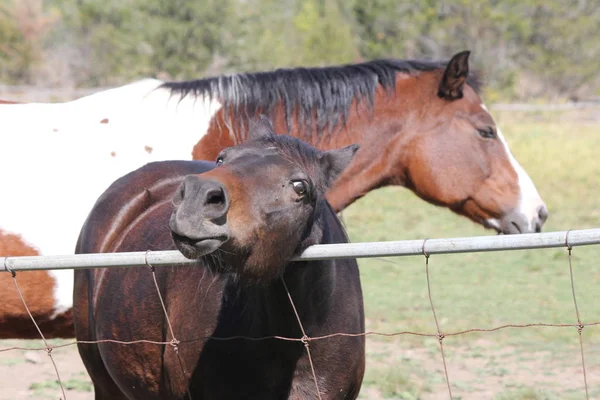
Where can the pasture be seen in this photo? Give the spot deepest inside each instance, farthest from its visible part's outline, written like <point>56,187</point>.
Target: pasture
<point>560,152</point>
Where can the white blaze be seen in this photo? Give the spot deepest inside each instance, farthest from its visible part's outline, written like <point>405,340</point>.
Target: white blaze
<point>530,200</point>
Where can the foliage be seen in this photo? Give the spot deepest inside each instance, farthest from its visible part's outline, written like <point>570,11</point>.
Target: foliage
<point>274,33</point>
<point>525,48</point>
<point>23,24</point>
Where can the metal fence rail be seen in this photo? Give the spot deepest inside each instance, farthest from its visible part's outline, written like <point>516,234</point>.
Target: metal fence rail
<point>321,252</point>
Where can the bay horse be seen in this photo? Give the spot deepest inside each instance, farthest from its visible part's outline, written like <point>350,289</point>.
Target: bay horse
<point>243,219</point>
<point>420,124</point>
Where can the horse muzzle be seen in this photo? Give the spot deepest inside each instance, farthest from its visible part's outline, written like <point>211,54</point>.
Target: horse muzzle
<point>516,222</point>
<point>198,222</point>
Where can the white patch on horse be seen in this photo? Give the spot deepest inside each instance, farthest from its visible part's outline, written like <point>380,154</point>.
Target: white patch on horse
<point>493,223</point>
<point>63,291</point>
<point>60,158</point>
<point>530,200</point>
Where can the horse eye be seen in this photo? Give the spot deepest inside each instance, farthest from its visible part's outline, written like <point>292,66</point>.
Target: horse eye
<point>219,161</point>
<point>299,187</point>
<point>487,133</point>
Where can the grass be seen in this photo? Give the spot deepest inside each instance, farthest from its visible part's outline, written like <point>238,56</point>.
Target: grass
<point>490,289</point>
<point>526,394</point>
<point>49,387</point>
<point>12,361</point>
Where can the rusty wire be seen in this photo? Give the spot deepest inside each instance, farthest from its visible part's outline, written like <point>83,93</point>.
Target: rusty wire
<point>579,323</point>
<point>47,346</point>
<point>294,339</point>
<point>439,335</point>
<point>174,342</point>
<point>304,339</point>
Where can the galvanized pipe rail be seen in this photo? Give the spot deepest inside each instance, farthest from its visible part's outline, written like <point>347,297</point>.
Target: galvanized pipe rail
<point>320,252</point>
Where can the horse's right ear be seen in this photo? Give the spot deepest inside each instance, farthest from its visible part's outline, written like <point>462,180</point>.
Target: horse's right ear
<point>455,76</point>
<point>333,162</point>
<point>260,127</point>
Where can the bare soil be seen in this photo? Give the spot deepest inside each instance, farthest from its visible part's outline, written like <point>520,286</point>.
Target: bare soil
<point>481,369</point>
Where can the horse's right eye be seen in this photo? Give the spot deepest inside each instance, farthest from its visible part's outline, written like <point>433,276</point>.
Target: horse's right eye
<point>219,161</point>
<point>487,133</point>
<point>299,188</point>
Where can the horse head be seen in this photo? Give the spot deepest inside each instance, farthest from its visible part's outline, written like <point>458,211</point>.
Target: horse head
<point>260,206</point>
<point>455,155</point>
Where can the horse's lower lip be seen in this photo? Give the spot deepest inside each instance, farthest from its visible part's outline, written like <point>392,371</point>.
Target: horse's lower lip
<point>196,248</point>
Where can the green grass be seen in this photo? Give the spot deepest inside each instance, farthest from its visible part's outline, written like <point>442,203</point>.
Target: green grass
<point>526,394</point>
<point>49,387</point>
<point>12,361</point>
<point>490,289</point>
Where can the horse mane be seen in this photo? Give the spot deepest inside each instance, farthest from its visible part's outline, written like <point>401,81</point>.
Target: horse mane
<point>318,95</point>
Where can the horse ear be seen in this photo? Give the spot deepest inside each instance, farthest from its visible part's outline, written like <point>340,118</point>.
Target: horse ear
<point>261,127</point>
<point>455,76</point>
<point>333,162</point>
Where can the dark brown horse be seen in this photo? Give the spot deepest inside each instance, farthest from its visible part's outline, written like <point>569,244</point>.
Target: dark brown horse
<point>243,221</point>
<point>421,125</point>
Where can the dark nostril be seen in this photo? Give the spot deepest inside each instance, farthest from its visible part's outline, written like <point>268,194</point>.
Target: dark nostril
<point>215,197</point>
<point>543,213</point>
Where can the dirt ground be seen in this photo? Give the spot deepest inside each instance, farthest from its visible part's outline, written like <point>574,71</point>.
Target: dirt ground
<point>480,370</point>
<point>29,374</point>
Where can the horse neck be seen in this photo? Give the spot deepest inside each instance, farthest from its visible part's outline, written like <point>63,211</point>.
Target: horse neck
<point>392,113</point>
<point>309,284</point>
<point>385,135</point>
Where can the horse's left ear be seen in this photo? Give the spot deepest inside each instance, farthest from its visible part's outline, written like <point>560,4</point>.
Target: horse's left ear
<point>261,127</point>
<point>455,76</point>
<point>333,162</point>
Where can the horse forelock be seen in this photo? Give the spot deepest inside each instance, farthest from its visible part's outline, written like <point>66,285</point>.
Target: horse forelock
<point>319,98</point>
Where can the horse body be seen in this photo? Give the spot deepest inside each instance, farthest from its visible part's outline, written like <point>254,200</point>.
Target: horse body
<point>236,296</point>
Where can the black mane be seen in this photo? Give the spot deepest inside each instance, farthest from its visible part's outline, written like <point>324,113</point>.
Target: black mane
<point>325,93</point>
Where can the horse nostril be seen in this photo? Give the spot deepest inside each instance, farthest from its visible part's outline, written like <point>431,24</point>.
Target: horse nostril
<point>543,213</point>
<point>216,203</point>
<point>215,197</point>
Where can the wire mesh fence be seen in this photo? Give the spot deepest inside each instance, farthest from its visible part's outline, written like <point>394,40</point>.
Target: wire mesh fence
<point>425,248</point>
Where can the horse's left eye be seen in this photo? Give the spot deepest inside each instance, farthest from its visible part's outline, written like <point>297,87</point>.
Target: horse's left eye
<point>219,161</point>
<point>299,187</point>
<point>487,133</point>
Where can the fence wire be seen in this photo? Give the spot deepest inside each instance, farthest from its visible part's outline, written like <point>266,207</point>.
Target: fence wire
<point>305,339</point>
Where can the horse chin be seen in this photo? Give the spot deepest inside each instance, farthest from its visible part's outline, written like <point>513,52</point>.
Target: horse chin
<point>195,249</point>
